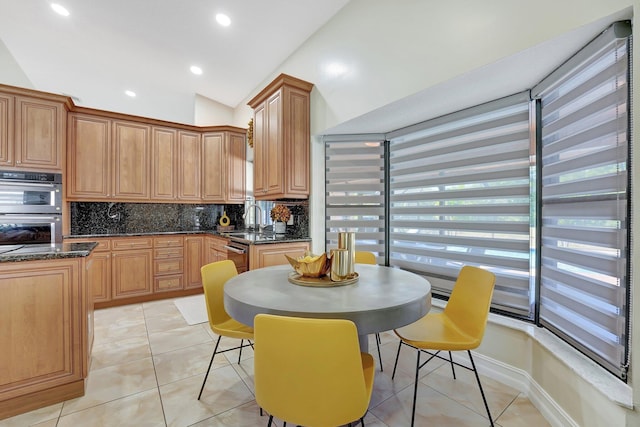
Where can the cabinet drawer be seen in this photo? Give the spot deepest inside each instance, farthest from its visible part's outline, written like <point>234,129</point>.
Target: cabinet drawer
<point>168,241</point>
<point>133,243</point>
<point>167,266</point>
<point>103,244</point>
<point>168,283</point>
<point>168,253</point>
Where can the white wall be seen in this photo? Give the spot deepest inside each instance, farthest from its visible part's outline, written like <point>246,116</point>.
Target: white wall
<point>395,49</point>
<point>211,113</point>
<point>10,72</point>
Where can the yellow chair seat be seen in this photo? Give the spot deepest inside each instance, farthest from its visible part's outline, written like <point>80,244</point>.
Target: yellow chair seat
<point>233,329</point>
<point>437,332</point>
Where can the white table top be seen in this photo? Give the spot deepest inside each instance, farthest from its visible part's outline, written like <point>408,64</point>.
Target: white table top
<point>382,299</point>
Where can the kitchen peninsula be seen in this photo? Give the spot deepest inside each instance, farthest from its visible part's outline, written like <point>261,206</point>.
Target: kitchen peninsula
<point>46,313</point>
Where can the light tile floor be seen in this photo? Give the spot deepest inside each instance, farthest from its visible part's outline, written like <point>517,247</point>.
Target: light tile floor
<point>148,365</point>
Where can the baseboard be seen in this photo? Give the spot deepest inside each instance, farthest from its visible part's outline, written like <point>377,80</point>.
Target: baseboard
<point>523,382</point>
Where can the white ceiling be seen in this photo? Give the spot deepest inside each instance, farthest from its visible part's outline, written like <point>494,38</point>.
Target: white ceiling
<point>108,46</point>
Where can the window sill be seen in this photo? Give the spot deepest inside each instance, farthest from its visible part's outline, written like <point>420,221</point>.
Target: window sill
<point>610,386</point>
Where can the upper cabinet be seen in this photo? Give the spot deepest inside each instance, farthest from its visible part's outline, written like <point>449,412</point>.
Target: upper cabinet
<point>113,159</point>
<point>281,142</point>
<point>89,164</point>
<point>108,159</point>
<point>224,165</point>
<point>32,133</point>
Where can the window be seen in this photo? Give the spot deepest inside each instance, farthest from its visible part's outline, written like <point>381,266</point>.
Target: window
<point>584,170</point>
<point>534,187</point>
<point>460,194</point>
<point>355,192</point>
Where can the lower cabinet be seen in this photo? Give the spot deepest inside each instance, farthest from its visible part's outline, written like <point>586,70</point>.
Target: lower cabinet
<point>46,338</point>
<point>140,268</point>
<point>131,267</point>
<point>267,255</point>
<point>194,258</point>
<point>168,263</point>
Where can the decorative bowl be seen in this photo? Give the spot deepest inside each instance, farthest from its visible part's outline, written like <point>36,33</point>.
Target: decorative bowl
<point>310,265</point>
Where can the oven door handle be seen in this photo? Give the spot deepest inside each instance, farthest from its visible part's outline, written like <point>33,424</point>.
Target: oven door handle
<point>236,250</point>
<point>37,185</point>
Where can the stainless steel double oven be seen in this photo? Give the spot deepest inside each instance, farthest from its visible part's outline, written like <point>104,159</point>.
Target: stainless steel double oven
<point>30,208</point>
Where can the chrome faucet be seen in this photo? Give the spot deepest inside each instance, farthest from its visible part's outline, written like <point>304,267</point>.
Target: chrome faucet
<point>258,217</point>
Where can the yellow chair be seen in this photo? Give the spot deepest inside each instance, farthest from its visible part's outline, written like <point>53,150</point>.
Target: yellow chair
<point>214,276</point>
<point>364,257</point>
<point>322,381</point>
<point>459,327</point>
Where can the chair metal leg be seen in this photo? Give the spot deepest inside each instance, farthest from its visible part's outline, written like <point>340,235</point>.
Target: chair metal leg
<point>475,371</point>
<point>415,389</point>
<point>396,362</point>
<point>209,368</point>
<point>452,368</point>
<point>379,354</point>
<point>362,421</point>
<point>270,421</point>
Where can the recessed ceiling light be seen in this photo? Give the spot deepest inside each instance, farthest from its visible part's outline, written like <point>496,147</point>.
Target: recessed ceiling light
<point>196,70</point>
<point>60,10</point>
<point>130,93</point>
<point>223,19</point>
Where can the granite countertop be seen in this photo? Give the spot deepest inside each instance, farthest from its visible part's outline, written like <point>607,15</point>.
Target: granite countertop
<point>246,237</point>
<point>38,252</point>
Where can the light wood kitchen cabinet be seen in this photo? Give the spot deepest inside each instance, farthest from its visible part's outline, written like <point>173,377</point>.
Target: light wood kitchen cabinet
<point>168,263</point>
<point>132,272</point>
<point>282,139</point>
<point>131,160</point>
<point>190,166</point>
<point>274,254</point>
<point>194,259</point>
<point>47,333</point>
<point>6,129</point>
<point>89,165</point>
<point>100,273</point>
<point>216,249</point>
<point>212,157</point>
<point>33,133</point>
<point>224,167</point>
<point>236,169</point>
<point>164,153</point>
<point>108,160</point>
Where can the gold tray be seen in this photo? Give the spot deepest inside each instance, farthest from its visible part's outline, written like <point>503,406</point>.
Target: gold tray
<point>319,282</point>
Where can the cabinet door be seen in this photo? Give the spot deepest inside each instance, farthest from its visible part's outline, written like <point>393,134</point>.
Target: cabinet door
<point>6,129</point>
<point>213,155</point>
<point>89,159</point>
<point>259,148</point>
<point>297,143</point>
<point>189,161</point>
<point>132,273</point>
<point>41,311</point>
<point>273,167</point>
<point>100,276</point>
<point>163,166</point>
<point>236,168</point>
<point>193,261</point>
<point>131,161</point>
<point>273,254</point>
<point>40,134</point>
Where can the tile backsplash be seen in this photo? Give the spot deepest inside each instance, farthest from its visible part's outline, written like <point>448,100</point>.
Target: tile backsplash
<point>95,218</point>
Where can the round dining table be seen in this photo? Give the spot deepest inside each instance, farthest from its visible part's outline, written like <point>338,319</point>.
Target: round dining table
<point>381,299</point>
